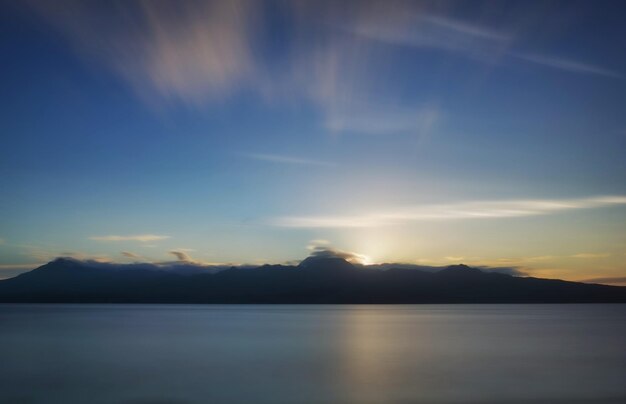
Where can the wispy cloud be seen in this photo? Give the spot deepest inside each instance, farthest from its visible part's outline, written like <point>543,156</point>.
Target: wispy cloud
<point>194,53</point>
<point>316,244</point>
<point>198,52</point>
<point>281,159</point>
<point>180,51</point>
<point>617,280</point>
<point>459,211</point>
<point>382,119</point>
<point>182,256</point>
<point>540,258</point>
<point>39,254</point>
<point>566,64</point>
<point>322,249</point>
<point>129,254</point>
<point>479,42</point>
<point>590,255</point>
<point>513,271</point>
<point>18,266</point>
<point>423,29</point>
<point>464,28</point>
<point>454,259</point>
<point>79,255</point>
<point>138,237</point>
<point>339,71</point>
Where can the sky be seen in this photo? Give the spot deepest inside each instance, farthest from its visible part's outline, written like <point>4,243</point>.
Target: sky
<point>248,132</point>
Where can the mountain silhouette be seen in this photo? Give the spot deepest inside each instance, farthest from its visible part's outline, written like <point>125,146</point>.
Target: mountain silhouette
<point>314,280</point>
<point>325,264</point>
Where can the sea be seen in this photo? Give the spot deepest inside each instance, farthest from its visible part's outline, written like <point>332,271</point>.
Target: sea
<point>439,354</point>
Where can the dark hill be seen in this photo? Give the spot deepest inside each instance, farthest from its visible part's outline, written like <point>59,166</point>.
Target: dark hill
<point>315,280</point>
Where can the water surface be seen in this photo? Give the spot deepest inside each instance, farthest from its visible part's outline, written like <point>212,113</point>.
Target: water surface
<point>312,354</point>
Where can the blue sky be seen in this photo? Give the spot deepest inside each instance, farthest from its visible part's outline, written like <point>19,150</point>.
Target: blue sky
<point>491,133</point>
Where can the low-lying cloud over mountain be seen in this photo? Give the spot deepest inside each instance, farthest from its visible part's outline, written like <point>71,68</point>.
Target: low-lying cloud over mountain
<point>325,251</point>
<point>185,264</point>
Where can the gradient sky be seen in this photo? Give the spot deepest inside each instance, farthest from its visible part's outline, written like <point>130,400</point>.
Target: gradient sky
<point>245,132</point>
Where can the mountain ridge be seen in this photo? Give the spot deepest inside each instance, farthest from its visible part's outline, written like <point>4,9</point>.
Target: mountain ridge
<point>314,280</point>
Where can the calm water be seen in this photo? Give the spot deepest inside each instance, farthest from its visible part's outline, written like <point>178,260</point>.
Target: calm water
<point>312,354</point>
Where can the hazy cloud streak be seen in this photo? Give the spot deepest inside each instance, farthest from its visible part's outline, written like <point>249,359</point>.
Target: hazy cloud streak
<point>369,119</point>
<point>274,158</point>
<point>466,210</point>
<point>425,30</point>
<point>138,237</point>
<point>566,64</point>
<point>476,41</point>
<point>18,266</point>
<point>590,255</point>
